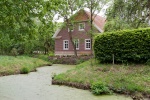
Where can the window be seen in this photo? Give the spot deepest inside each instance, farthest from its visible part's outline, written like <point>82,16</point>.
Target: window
<point>70,28</point>
<point>76,42</point>
<point>87,44</point>
<point>66,45</point>
<point>81,26</point>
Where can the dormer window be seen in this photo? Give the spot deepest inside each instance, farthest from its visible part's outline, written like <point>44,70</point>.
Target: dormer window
<point>81,26</point>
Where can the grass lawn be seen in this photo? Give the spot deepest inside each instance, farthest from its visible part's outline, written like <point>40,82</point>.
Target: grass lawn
<point>20,64</point>
<point>119,78</point>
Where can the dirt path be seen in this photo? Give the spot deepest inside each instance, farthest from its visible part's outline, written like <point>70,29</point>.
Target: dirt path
<point>37,86</point>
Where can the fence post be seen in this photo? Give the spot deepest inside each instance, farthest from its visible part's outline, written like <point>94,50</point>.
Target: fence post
<point>113,58</point>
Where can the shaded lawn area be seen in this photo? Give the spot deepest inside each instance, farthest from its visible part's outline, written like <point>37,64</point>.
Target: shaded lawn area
<point>119,78</point>
<point>13,65</point>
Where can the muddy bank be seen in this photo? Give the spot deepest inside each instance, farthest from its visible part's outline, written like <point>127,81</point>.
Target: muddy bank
<point>6,73</point>
<point>134,96</point>
<point>71,84</point>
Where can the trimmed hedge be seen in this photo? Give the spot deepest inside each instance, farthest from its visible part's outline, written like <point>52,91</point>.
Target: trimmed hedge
<point>128,46</point>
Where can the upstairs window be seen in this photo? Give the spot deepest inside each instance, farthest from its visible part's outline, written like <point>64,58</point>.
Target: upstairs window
<point>71,28</point>
<point>87,44</point>
<point>76,42</point>
<point>65,45</point>
<point>81,26</point>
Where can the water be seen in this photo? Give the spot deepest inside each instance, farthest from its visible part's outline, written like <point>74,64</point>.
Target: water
<point>37,86</point>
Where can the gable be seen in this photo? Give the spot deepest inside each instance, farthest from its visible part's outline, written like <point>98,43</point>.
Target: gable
<point>83,15</point>
<point>80,16</point>
<point>98,21</point>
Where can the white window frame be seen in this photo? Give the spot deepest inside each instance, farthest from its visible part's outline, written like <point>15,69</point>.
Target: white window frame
<point>81,29</point>
<point>76,41</point>
<point>86,43</point>
<point>64,44</point>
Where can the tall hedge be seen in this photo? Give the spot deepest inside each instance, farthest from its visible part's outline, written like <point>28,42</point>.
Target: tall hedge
<point>126,46</point>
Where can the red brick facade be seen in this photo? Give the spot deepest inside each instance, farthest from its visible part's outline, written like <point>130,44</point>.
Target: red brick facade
<point>63,34</point>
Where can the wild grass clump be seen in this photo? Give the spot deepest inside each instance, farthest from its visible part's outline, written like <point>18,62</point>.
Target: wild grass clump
<point>99,88</point>
<point>24,70</point>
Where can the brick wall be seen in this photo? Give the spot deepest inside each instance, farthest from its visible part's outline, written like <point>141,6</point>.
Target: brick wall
<point>81,35</point>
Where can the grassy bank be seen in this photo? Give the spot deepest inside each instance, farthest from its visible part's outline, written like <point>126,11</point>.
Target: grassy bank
<point>20,64</point>
<point>119,78</point>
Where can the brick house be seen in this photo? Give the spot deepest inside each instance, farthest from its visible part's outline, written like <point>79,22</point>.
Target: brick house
<point>80,34</point>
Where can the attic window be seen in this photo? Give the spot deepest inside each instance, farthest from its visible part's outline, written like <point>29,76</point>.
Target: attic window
<point>81,26</point>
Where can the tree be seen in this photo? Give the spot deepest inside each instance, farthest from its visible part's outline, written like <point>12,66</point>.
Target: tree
<point>66,10</point>
<point>95,6</point>
<point>16,22</point>
<point>45,33</point>
<point>18,28</point>
<point>128,14</point>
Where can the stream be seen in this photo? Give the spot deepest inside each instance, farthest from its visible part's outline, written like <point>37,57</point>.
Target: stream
<point>37,86</point>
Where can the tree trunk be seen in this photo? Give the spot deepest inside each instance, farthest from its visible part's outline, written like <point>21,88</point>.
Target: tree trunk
<point>45,51</point>
<point>91,26</point>
<point>71,39</point>
<point>73,45</point>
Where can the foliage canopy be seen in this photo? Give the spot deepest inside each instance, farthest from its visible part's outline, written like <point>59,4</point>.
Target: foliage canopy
<point>21,24</point>
<point>128,14</point>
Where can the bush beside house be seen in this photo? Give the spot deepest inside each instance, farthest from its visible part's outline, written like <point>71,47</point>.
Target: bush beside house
<point>71,60</point>
<point>126,46</point>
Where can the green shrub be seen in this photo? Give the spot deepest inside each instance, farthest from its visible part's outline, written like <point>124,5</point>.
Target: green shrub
<point>148,62</point>
<point>79,61</point>
<point>51,53</point>
<point>43,57</point>
<point>24,70</point>
<point>14,52</point>
<point>99,88</point>
<point>128,46</point>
